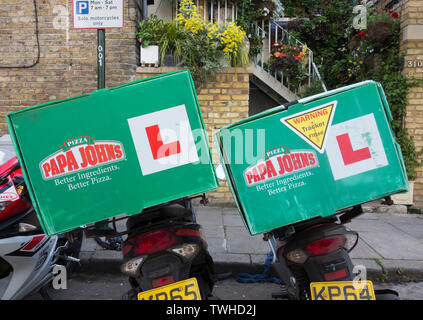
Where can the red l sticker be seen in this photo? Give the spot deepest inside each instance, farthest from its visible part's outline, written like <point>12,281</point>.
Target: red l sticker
<point>348,154</point>
<point>158,149</point>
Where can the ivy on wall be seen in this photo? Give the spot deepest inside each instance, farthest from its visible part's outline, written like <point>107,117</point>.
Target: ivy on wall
<point>346,55</point>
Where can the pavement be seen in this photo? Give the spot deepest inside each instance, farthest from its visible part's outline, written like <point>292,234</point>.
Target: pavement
<point>390,245</point>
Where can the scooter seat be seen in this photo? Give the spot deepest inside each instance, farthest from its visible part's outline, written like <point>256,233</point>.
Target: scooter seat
<point>175,211</point>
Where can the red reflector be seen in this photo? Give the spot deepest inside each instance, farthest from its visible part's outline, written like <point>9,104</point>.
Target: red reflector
<point>162,281</point>
<point>335,275</point>
<point>154,241</point>
<point>325,246</point>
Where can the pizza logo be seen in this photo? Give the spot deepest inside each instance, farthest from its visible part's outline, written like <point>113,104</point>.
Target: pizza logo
<point>280,163</point>
<point>79,154</point>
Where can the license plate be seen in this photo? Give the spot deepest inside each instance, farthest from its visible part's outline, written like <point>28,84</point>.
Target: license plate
<point>182,290</point>
<point>342,290</point>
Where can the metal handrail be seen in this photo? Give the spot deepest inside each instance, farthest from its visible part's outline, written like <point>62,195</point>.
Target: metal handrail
<point>316,71</point>
<point>218,12</point>
<point>276,33</point>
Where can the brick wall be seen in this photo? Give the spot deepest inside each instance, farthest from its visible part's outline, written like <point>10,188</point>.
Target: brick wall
<point>411,15</point>
<point>67,65</point>
<point>412,44</point>
<point>223,100</point>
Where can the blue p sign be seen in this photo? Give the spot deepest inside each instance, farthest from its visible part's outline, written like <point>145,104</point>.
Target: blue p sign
<point>82,7</point>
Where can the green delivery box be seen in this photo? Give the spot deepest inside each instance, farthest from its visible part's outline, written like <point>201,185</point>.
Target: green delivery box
<point>114,151</point>
<point>312,157</point>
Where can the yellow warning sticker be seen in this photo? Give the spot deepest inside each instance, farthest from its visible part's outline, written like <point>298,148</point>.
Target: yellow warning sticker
<point>313,124</point>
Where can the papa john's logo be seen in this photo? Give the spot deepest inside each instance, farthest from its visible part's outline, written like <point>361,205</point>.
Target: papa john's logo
<point>79,154</point>
<point>280,162</point>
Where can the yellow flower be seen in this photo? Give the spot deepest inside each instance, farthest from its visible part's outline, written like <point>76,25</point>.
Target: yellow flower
<point>189,17</point>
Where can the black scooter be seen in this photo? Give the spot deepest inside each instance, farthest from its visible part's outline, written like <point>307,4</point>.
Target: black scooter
<point>317,250</point>
<point>165,245</point>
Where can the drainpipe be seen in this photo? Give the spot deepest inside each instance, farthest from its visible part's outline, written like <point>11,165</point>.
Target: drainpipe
<point>144,9</point>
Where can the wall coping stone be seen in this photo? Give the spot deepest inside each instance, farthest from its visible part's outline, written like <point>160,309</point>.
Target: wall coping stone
<point>153,70</point>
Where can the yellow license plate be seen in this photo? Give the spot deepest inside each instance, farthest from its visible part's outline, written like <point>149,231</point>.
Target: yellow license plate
<point>182,290</point>
<point>342,290</point>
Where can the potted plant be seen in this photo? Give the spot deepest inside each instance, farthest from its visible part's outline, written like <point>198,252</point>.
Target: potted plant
<point>380,26</point>
<point>149,34</point>
<point>266,7</point>
<point>288,59</point>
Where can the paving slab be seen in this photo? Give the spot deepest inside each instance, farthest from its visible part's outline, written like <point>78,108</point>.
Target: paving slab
<point>232,211</point>
<point>232,220</point>
<point>217,245</point>
<point>367,216</point>
<point>404,218</point>
<point>214,231</point>
<point>209,217</point>
<point>240,241</point>
<point>395,245</point>
<point>375,226</point>
<point>364,251</point>
<point>412,229</point>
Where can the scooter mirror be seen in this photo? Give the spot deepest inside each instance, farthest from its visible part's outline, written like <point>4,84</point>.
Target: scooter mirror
<point>220,173</point>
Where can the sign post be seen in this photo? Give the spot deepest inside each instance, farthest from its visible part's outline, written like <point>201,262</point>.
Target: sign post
<point>100,15</point>
<point>101,58</point>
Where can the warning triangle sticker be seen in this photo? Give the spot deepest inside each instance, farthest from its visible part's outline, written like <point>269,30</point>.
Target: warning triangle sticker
<point>313,124</point>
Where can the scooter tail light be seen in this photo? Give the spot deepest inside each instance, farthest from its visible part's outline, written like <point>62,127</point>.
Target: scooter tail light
<point>191,232</point>
<point>326,245</point>
<point>154,241</point>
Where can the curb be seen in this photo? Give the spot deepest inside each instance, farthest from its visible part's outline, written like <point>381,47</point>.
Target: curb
<point>90,265</point>
<point>377,273</point>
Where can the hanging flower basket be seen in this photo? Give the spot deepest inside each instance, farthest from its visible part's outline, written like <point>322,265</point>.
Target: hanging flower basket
<point>379,31</point>
<point>266,6</point>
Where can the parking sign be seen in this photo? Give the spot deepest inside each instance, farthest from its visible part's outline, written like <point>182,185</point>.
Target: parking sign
<point>98,14</point>
<point>82,7</point>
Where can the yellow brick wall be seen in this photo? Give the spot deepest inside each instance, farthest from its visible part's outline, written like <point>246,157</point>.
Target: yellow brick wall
<point>223,100</point>
<point>67,65</point>
<point>412,15</point>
